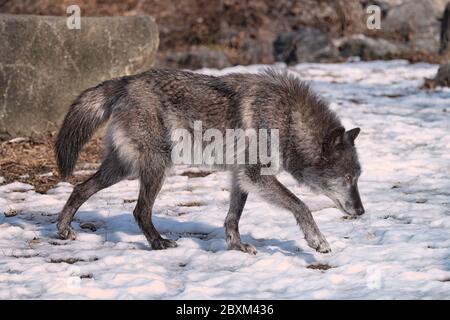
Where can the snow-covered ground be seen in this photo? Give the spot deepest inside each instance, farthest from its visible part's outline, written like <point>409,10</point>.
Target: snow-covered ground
<point>399,249</point>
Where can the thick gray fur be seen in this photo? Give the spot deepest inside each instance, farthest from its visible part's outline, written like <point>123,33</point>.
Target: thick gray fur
<point>143,110</point>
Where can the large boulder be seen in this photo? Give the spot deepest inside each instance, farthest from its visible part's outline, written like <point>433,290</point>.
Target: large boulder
<point>416,21</point>
<point>197,58</point>
<point>368,48</point>
<point>44,65</point>
<point>444,48</point>
<point>304,45</point>
<point>443,75</point>
<point>442,78</point>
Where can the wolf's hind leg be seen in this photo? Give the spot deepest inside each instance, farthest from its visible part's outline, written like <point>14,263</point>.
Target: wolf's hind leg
<point>151,182</point>
<point>110,172</point>
<point>238,198</point>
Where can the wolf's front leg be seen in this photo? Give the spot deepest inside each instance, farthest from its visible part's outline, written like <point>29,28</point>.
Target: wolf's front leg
<point>237,203</point>
<point>274,192</point>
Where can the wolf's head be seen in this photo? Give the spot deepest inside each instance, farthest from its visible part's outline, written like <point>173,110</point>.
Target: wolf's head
<point>337,174</point>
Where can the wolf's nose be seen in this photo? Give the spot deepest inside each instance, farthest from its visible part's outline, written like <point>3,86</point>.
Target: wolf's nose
<point>360,211</point>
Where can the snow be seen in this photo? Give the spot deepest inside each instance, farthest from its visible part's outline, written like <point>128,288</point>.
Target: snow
<point>400,249</point>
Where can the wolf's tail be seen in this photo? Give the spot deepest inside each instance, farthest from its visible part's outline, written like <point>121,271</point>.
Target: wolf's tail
<point>88,112</point>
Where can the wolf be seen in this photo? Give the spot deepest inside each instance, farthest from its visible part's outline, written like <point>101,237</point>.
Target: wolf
<point>143,110</point>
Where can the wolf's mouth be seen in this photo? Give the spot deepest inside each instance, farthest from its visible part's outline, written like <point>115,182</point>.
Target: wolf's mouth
<point>341,207</point>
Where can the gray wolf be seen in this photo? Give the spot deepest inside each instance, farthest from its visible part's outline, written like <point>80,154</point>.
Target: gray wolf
<point>144,109</point>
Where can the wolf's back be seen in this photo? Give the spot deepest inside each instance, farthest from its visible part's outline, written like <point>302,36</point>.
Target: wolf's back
<point>87,113</point>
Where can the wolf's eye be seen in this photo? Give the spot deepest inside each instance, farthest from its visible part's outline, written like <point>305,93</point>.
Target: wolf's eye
<point>348,178</point>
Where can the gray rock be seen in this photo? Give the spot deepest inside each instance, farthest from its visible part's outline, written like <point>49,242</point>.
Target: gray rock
<point>197,58</point>
<point>442,78</point>
<point>443,75</point>
<point>255,51</point>
<point>416,21</point>
<point>368,48</point>
<point>44,65</point>
<point>444,48</point>
<point>304,45</point>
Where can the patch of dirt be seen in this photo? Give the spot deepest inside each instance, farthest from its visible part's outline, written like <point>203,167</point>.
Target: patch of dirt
<point>89,226</point>
<point>72,260</point>
<point>56,242</point>
<point>393,95</point>
<point>191,204</point>
<point>33,241</point>
<point>32,161</point>
<point>421,56</point>
<point>10,213</point>
<point>348,217</point>
<point>178,235</point>
<point>25,256</point>
<point>319,266</point>
<point>196,174</point>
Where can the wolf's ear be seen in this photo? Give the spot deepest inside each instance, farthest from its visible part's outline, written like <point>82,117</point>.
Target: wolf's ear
<point>332,140</point>
<point>351,135</point>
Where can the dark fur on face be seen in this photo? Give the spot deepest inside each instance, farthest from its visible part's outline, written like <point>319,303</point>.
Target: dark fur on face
<point>338,172</point>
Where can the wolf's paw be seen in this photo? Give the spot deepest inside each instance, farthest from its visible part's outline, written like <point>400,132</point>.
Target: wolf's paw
<point>324,247</point>
<point>244,247</point>
<point>160,244</point>
<point>319,243</point>
<point>66,233</point>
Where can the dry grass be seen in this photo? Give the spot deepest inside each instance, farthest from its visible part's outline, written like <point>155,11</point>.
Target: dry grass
<point>31,161</point>
<point>191,204</point>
